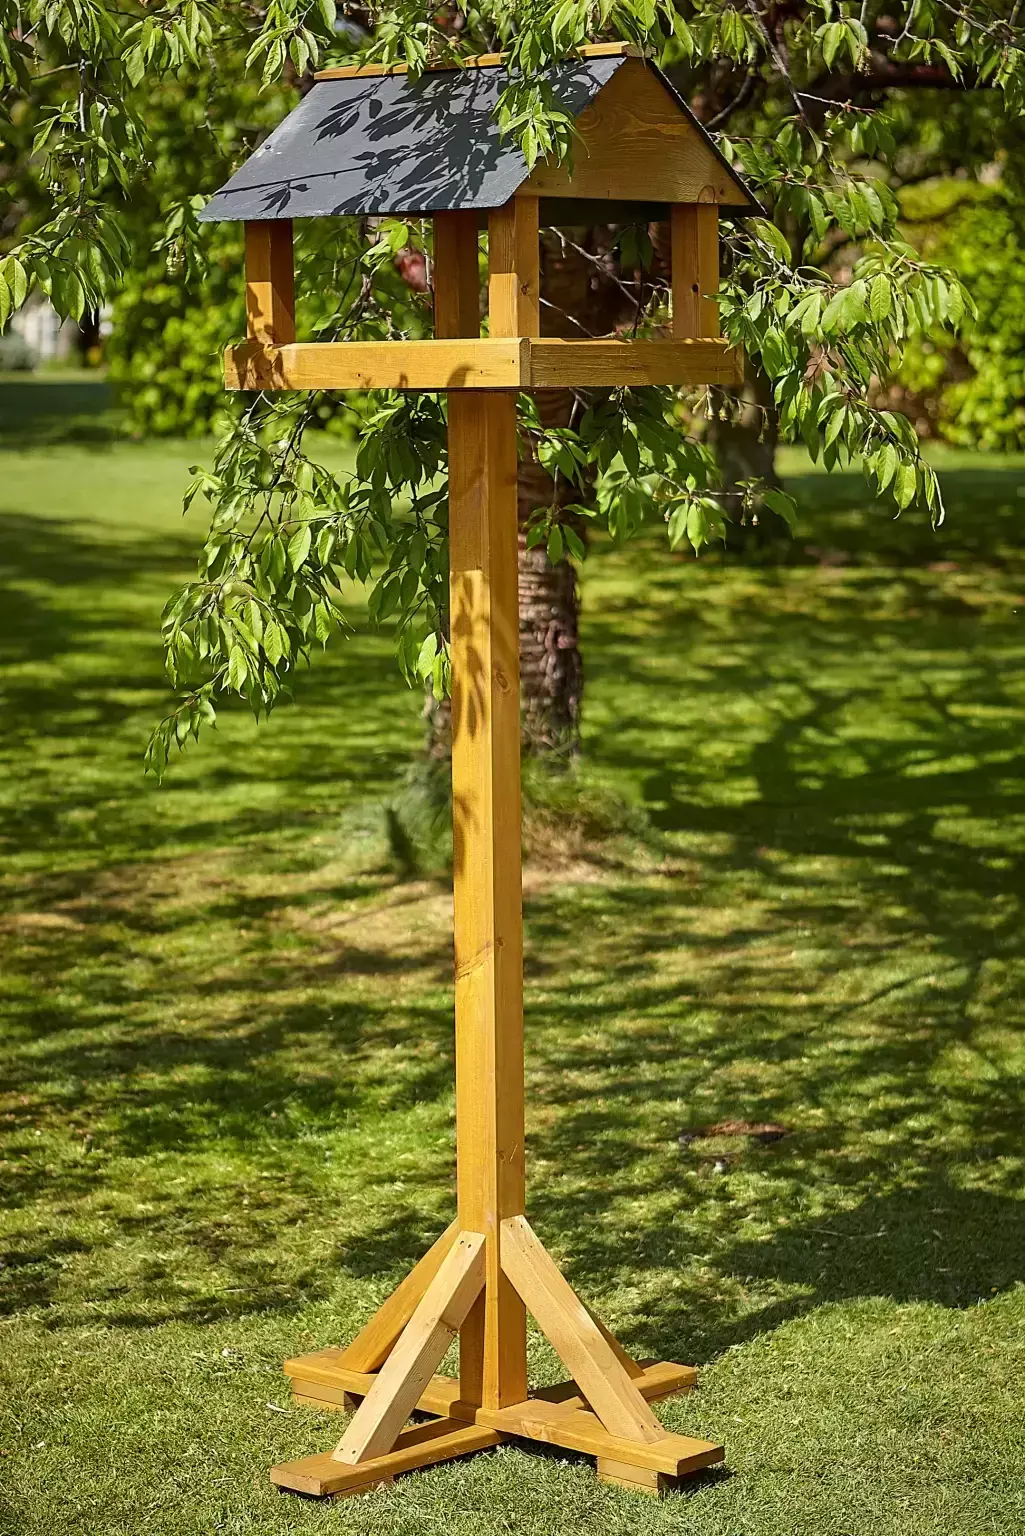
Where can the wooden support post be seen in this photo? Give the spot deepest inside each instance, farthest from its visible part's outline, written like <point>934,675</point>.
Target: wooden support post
<point>486,828</point>
<point>456,275</point>
<point>484,637</point>
<point>270,282</point>
<point>514,283</point>
<point>694,232</point>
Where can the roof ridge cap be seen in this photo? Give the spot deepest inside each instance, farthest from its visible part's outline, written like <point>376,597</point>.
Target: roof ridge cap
<point>477,61</point>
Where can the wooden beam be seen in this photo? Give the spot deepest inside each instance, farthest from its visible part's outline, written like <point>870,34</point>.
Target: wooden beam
<point>476,363</point>
<point>694,235</point>
<point>322,1382</point>
<point>456,275</point>
<point>481,363</point>
<point>411,1364</point>
<point>420,1446</point>
<point>582,1347</point>
<point>474,61</point>
<point>484,639</point>
<point>374,1343</point>
<point>270,282</point>
<point>554,363</point>
<point>634,1479</point>
<point>577,1430</point>
<point>514,284</point>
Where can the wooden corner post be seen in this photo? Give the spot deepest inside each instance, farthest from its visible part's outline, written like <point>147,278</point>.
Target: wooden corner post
<point>489,1268</point>
<point>270,282</point>
<point>694,236</point>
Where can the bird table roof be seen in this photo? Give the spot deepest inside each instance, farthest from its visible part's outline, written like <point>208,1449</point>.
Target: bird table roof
<point>384,143</point>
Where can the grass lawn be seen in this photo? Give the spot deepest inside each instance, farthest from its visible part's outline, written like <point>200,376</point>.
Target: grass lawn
<point>228,1100</point>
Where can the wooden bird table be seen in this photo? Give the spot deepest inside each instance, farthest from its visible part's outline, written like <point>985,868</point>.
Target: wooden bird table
<point>489,1269</point>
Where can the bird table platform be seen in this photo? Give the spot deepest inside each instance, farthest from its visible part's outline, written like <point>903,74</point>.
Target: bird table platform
<point>372,141</point>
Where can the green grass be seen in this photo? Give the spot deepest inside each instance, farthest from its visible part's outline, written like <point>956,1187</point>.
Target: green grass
<point>228,1117</point>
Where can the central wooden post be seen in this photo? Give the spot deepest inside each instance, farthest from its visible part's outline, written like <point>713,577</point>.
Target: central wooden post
<point>484,639</point>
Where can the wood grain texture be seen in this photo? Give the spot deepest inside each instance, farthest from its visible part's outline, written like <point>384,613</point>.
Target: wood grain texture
<point>474,61</point>
<point>488,922</point>
<point>633,1479</point>
<point>420,1446</point>
<point>373,1344</point>
<point>514,280</point>
<point>578,1430</point>
<point>555,364</point>
<point>581,1346</point>
<point>694,236</point>
<point>456,275</point>
<point>400,1382</point>
<point>484,638</point>
<point>636,144</point>
<point>320,1379</point>
<point>270,282</point>
<point>481,363</point>
<point>477,363</point>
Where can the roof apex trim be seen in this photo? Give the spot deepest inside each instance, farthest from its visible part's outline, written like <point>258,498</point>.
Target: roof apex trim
<point>476,61</point>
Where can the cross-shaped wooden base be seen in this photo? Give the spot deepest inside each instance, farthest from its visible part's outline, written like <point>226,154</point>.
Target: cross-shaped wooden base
<point>388,1370</point>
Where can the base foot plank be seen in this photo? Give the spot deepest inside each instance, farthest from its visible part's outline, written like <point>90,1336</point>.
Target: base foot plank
<point>634,1479</point>
<point>421,1446</point>
<point>321,1381</point>
<point>577,1430</point>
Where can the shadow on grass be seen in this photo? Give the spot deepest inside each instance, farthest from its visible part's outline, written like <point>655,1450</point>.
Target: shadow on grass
<point>833,948</point>
<point>41,413</point>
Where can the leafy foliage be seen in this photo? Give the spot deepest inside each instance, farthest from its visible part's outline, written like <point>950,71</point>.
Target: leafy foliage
<point>823,293</point>
<point>980,381</point>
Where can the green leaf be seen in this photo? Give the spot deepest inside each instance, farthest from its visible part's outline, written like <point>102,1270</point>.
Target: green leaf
<point>880,298</point>
<point>905,484</point>
<point>783,505</point>
<point>886,465</point>
<point>238,670</point>
<point>555,544</point>
<point>299,546</point>
<point>273,642</point>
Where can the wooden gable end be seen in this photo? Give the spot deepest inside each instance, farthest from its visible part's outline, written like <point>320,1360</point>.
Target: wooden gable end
<point>636,144</point>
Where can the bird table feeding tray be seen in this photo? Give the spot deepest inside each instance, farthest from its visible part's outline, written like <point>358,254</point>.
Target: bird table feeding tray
<point>372,141</point>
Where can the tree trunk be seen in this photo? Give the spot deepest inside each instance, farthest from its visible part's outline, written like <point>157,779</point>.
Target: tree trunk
<point>577,299</point>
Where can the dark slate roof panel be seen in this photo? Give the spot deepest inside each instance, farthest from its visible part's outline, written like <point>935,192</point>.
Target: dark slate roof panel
<point>385,144</point>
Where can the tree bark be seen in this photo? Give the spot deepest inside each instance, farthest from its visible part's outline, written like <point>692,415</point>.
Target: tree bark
<point>577,299</point>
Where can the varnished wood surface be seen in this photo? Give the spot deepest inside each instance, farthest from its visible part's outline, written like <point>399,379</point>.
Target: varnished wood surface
<point>434,1324</point>
<point>514,281</point>
<point>420,1446</point>
<point>484,638</point>
<point>456,275</point>
<point>694,261</point>
<point>270,282</point>
<point>322,1380</point>
<point>482,363</point>
<point>636,144</point>
<point>583,1348</point>
<point>553,363</point>
<point>477,363</point>
<point>373,1344</point>
<point>475,61</point>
